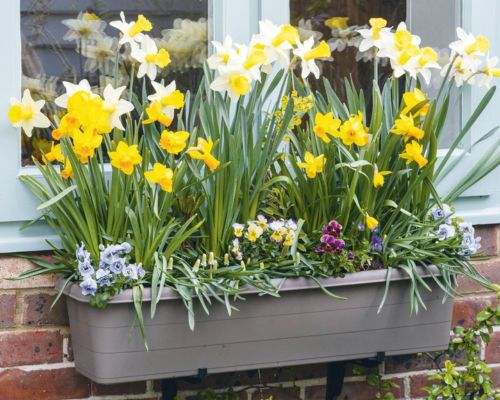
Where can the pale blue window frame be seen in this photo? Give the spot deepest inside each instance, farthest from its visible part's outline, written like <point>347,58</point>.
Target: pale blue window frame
<point>238,18</point>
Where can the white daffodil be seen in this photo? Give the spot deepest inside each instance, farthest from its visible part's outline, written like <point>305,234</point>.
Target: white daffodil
<point>100,54</point>
<point>489,72</point>
<point>150,58</point>
<point>251,59</point>
<point>43,85</point>
<point>427,59</point>
<point>342,38</point>
<point>468,44</point>
<point>71,89</point>
<point>234,80</point>
<point>464,69</point>
<point>26,113</point>
<point>132,31</point>
<point>276,41</point>
<point>308,54</point>
<point>85,26</point>
<point>306,30</point>
<point>375,36</point>
<point>168,96</point>
<point>117,106</point>
<point>223,52</point>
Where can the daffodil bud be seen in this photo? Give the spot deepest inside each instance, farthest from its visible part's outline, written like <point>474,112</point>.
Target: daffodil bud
<point>170,264</point>
<point>196,265</point>
<point>204,260</point>
<point>297,257</point>
<point>215,265</point>
<point>243,266</point>
<point>226,259</point>
<point>211,258</point>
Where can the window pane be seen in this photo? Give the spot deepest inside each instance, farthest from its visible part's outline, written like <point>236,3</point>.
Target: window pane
<point>70,40</point>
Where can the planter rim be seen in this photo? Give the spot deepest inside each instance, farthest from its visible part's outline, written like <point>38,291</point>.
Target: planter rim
<point>73,291</point>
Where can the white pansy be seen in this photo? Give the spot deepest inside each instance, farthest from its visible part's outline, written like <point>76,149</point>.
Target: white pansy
<point>26,113</point>
<point>83,27</point>
<point>112,102</point>
<point>71,89</point>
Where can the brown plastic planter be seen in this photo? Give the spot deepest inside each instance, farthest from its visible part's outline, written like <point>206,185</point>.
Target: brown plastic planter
<point>302,326</point>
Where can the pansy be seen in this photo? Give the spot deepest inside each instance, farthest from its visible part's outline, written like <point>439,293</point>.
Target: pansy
<point>89,286</point>
<point>445,231</point>
<point>238,229</point>
<point>26,114</point>
<point>254,232</point>
<point>376,243</point>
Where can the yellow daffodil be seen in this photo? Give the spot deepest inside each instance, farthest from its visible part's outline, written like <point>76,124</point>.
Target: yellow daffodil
<point>235,81</point>
<point>55,154</point>
<point>378,177</point>
<point>90,112</point>
<point>413,152</point>
<point>149,57</point>
<point>411,99</point>
<point>26,113</point>
<point>174,100</point>
<point>480,45</point>
<point>287,33</point>
<point>67,127</point>
<point>125,157</point>
<point>312,165</point>
<point>131,32</point>
<point>84,144</point>
<point>173,142</point>
<point>155,113</point>
<point>353,131</point>
<point>308,54</point>
<point>142,24</point>
<point>254,232</point>
<point>203,152</point>
<point>371,222</point>
<point>67,172</point>
<point>161,175</point>
<point>326,124</point>
<point>405,125</point>
<point>337,22</point>
<point>377,24</point>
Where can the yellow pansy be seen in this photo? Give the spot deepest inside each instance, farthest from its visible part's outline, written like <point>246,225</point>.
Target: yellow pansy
<point>288,33</point>
<point>289,239</point>
<point>353,131</point>
<point>326,124</point>
<point>67,127</point>
<point>84,144</point>
<point>155,113</point>
<point>142,24</point>
<point>312,165</point>
<point>203,152</point>
<point>322,50</point>
<point>254,232</point>
<point>161,58</point>
<point>238,229</point>
<point>405,125</point>
<point>413,152</point>
<point>125,157</point>
<point>67,172</point>
<point>55,154</point>
<point>173,142</point>
<point>378,177</point>
<point>371,222</point>
<point>377,24</point>
<point>337,22</point>
<point>411,99</point>
<point>161,175</point>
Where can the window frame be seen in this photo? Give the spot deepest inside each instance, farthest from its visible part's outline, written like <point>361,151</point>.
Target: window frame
<point>18,205</point>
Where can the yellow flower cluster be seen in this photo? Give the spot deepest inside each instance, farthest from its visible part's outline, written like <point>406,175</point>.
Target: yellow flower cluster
<point>277,231</point>
<point>301,105</point>
<point>350,132</point>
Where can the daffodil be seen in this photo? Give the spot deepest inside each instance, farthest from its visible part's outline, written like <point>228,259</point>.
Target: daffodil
<point>371,222</point>
<point>161,175</point>
<point>353,131</point>
<point>249,59</point>
<point>100,54</point>
<point>85,143</point>
<point>168,96</point>
<point>413,152</point>
<point>312,165</point>
<point>426,59</point>
<point>223,52</point>
<point>71,89</point>
<point>125,157</point>
<point>490,71</point>
<point>337,22</point>
<point>90,112</point>
<point>67,171</point>
<point>68,125</point>
<point>84,27</point>
<point>173,142</point>
<point>405,125</point>
<point>253,232</point>
<point>308,54</point>
<point>470,45</point>
<point>26,113</point>
<point>234,80</point>
<point>132,31</point>
<point>378,177</point>
<point>116,106</point>
<point>150,58</point>
<point>55,154</point>
<point>155,113</point>
<point>203,152</point>
<point>412,99</point>
<point>374,36</point>
<point>276,41</point>
<point>326,124</point>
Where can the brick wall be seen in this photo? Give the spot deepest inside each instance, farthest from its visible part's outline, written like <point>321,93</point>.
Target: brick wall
<point>36,361</point>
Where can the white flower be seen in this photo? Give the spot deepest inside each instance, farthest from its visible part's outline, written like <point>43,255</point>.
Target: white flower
<point>223,52</point>
<point>306,31</point>
<point>276,41</point>
<point>342,38</point>
<point>84,26</point>
<point>117,106</point>
<point>277,225</point>
<point>26,113</point>
<point>463,70</point>
<point>234,80</point>
<point>445,231</point>
<point>149,58</point>
<point>169,97</point>
<point>100,54</point>
<point>468,44</point>
<point>71,89</point>
<point>490,71</point>
<point>375,36</point>
<point>46,86</point>
<point>308,55</point>
<point>132,31</point>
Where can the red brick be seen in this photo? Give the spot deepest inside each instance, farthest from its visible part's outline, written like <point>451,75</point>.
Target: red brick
<point>98,389</point>
<point>490,237</point>
<point>55,384</point>
<point>465,310</point>
<point>37,311</point>
<point>10,267</point>
<point>491,271</point>
<point>7,310</point>
<point>353,391</point>
<point>33,347</point>
<point>495,377</point>
<point>410,362</point>
<point>493,349</point>
<point>417,382</point>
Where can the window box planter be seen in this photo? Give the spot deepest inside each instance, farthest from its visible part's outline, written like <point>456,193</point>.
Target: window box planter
<point>302,326</point>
